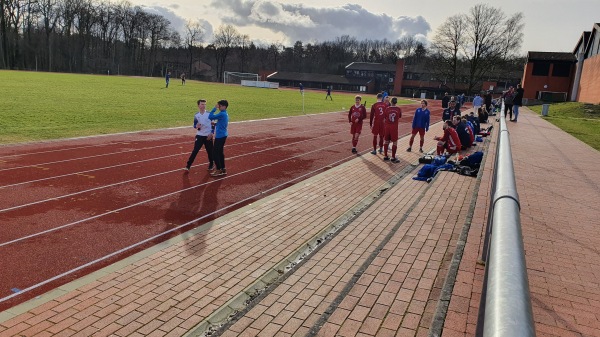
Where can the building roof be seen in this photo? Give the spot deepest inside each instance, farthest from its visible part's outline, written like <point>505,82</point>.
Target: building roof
<point>313,77</point>
<point>550,56</point>
<point>371,66</point>
<point>585,37</point>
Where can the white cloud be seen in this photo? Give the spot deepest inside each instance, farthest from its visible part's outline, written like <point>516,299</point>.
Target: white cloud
<point>308,24</point>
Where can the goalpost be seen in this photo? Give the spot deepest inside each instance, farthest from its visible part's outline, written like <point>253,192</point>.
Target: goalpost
<point>231,77</point>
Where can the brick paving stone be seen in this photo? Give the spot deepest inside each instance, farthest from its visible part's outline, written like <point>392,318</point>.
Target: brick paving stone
<point>557,180</point>
<point>381,282</point>
<point>560,243</point>
<point>163,280</point>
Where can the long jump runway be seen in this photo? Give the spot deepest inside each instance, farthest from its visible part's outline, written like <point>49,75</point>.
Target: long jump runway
<point>70,207</point>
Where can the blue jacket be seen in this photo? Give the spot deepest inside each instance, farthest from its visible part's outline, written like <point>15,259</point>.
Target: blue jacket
<point>421,119</point>
<point>222,119</point>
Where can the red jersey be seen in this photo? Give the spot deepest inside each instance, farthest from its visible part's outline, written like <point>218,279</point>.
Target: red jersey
<point>357,114</point>
<point>392,115</point>
<point>451,138</point>
<point>377,113</point>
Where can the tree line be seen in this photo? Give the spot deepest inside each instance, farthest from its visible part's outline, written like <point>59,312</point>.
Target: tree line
<point>98,36</point>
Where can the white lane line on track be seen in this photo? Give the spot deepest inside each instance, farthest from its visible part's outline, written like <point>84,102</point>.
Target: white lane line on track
<point>151,159</point>
<point>3,299</point>
<point>94,156</point>
<point>130,132</point>
<point>140,178</point>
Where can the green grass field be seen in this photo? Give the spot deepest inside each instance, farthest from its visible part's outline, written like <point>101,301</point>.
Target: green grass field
<point>39,106</point>
<point>579,119</point>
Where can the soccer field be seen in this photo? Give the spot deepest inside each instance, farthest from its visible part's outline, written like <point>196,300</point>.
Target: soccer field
<point>40,106</point>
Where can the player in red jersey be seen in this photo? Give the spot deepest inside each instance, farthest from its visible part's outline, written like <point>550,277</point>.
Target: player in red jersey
<point>377,124</point>
<point>355,117</point>
<point>449,141</point>
<point>393,114</point>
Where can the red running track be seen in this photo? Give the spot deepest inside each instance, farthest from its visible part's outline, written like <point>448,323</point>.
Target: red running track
<point>70,207</point>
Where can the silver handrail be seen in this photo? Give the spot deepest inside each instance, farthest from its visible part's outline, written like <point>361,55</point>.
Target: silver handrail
<point>507,300</point>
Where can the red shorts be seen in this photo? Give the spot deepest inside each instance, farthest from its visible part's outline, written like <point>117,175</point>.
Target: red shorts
<point>391,133</point>
<point>355,128</point>
<point>420,131</point>
<point>378,128</point>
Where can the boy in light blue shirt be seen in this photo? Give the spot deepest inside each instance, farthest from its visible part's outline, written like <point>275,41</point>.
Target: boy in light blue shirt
<point>222,120</point>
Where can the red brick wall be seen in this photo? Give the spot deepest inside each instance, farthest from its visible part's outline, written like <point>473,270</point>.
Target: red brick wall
<point>533,84</point>
<point>399,77</point>
<point>589,86</point>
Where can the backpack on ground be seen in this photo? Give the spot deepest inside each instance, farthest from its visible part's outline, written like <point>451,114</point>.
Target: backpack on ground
<point>426,159</point>
<point>473,160</point>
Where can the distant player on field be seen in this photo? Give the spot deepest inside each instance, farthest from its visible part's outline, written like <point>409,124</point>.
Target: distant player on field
<point>376,123</point>
<point>393,114</point>
<point>355,117</point>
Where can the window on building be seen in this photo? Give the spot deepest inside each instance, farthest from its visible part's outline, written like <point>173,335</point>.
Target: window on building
<point>561,70</point>
<point>541,68</point>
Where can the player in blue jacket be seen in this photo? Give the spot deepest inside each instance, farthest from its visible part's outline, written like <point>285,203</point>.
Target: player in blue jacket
<point>420,125</point>
<point>222,119</point>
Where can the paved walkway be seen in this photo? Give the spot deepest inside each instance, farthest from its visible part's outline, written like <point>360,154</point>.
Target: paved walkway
<point>558,181</point>
<point>360,250</point>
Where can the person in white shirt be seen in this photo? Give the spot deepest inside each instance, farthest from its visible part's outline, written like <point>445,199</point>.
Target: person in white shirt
<point>477,102</point>
<point>204,136</point>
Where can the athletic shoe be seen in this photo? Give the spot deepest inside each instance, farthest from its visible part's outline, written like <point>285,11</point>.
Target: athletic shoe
<point>354,150</point>
<point>187,169</point>
<point>409,149</point>
<point>373,152</point>
<point>380,150</point>
<point>421,149</point>
<point>223,172</point>
<point>386,158</point>
<point>395,160</point>
<point>215,173</point>
<point>211,167</point>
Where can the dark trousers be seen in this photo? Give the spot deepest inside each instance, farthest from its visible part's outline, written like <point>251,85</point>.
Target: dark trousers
<point>208,145</point>
<point>508,108</point>
<point>218,152</point>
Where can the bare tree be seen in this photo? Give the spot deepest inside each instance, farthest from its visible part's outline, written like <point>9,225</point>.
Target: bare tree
<point>512,36</point>
<point>226,38</point>
<point>50,14</point>
<point>446,46</point>
<point>3,35</point>
<point>194,34</point>
<point>244,44</point>
<point>483,46</point>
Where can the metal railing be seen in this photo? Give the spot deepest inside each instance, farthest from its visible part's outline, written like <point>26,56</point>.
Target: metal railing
<point>505,308</point>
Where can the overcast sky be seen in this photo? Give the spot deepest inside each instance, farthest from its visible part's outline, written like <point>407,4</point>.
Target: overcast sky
<point>550,25</point>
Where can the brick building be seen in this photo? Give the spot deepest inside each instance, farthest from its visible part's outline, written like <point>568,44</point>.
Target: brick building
<point>548,76</point>
<point>569,76</point>
<point>586,80</point>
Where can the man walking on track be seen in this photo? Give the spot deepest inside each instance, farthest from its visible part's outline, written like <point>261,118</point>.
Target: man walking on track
<point>222,119</point>
<point>420,125</point>
<point>393,114</point>
<point>355,117</point>
<point>204,136</point>
<point>377,124</point>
